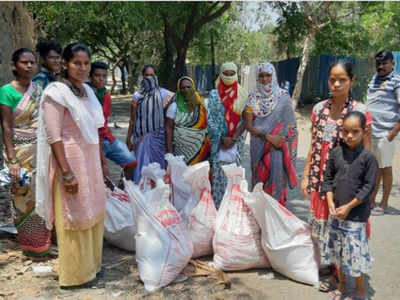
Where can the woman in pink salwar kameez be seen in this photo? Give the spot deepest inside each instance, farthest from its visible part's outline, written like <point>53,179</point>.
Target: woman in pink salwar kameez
<point>69,176</point>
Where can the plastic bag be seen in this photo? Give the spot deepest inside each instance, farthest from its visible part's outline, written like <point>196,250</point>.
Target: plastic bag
<point>180,190</point>
<point>199,212</point>
<point>163,244</point>
<point>237,239</point>
<point>119,224</point>
<point>150,174</point>
<point>285,238</point>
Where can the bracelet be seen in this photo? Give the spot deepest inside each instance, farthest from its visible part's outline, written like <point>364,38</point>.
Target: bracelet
<point>14,161</point>
<point>68,178</point>
<point>261,135</point>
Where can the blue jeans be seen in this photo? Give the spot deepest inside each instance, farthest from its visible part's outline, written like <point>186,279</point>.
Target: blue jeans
<point>119,153</point>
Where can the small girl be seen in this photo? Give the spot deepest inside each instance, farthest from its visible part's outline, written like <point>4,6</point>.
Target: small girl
<point>349,182</point>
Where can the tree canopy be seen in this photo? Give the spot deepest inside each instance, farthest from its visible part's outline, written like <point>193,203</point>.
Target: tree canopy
<point>170,34</point>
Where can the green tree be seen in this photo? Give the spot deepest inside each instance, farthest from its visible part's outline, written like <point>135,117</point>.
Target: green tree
<point>120,32</point>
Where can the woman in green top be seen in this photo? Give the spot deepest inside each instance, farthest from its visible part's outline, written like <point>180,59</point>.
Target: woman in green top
<point>19,116</point>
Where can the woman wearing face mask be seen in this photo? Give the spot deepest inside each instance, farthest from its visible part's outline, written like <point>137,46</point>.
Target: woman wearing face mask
<point>146,133</point>
<point>225,126</point>
<point>186,125</point>
<point>272,124</point>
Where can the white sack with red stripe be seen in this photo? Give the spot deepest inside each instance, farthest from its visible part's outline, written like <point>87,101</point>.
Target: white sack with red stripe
<point>285,238</point>
<point>180,190</point>
<point>199,212</point>
<point>119,224</point>
<point>237,239</point>
<point>163,244</point>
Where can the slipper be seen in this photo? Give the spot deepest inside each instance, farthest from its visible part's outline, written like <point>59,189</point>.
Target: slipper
<point>377,211</point>
<point>327,285</point>
<point>355,298</point>
<point>335,295</point>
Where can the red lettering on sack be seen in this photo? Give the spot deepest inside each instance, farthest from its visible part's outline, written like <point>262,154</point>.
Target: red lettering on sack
<point>169,217</point>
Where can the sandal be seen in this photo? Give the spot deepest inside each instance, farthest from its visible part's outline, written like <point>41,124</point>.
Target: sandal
<point>335,295</point>
<point>377,211</point>
<point>355,298</point>
<point>328,285</point>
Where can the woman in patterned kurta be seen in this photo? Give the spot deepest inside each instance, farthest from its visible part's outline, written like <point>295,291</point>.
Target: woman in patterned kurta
<point>19,103</point>
<point>327,120</point>
<point>225,126</point>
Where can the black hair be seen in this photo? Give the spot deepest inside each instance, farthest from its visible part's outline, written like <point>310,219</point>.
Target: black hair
<point>17,54</point>
<point>98,65</point>
<point>384,55</point>
<point>346,65</point>
<point>359,115</point>
<point>43,48</point>
<point>70,51</point>
<point>145,67</point>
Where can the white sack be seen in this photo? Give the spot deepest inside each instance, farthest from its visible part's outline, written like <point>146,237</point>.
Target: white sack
<point>285,238</point>
<point>119,224</point>
<point>150,174</point>
<point>199,212</point>
<point>180,190</point>
<point>237,238</point>
<point>163,244</point>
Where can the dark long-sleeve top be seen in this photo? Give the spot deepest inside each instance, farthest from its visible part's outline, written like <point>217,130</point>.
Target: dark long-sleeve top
<point>351,174</point>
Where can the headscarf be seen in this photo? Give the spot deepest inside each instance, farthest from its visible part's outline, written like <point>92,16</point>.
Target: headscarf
<point>233,96</point>
<point>150,109</point>
<point>264,98</point>
<point>187,99</point>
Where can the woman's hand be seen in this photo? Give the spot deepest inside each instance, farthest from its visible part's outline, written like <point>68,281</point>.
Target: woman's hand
<point>275,140</point>
<point>332,208</point>
<point>129,144</point>
<point>14,170</point>
<point>228,143</point>
<point>304,185</point>
<point>342,212</point>
<point>71,186</point>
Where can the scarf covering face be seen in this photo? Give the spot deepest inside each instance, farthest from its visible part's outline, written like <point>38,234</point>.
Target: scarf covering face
<point>187,99</point>
<point>232,95</point>
<point>264,98</point>
<point>150,109</point>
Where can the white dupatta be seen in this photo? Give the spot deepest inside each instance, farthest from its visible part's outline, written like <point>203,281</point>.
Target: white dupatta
<point>88,122</point>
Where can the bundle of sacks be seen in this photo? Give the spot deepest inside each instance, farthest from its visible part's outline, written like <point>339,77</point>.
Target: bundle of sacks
<point>250,229</point>
<point>177,221</point>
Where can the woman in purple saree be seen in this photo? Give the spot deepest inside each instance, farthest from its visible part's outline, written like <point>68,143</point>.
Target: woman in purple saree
<point>273,146</point>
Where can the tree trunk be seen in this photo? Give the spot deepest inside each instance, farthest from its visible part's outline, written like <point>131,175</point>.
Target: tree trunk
<point>167,63</point>
<point>123,78</point>
<point>133,75</point>
<point>302,68</point>
<point>213,73</point>
<point>179,69</point>
<point>114,80</point>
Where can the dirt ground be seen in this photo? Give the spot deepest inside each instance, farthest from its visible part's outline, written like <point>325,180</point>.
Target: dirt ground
<point>119,278</point>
